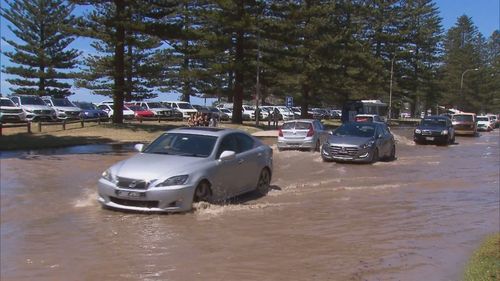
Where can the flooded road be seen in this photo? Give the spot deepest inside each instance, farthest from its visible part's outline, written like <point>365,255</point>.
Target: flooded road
<point>417,218</point>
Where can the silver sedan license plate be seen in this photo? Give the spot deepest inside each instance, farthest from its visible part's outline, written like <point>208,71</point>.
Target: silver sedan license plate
<point>429,138</point>
<point>131,194</point>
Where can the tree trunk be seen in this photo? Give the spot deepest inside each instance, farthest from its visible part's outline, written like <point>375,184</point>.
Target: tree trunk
<point>238,75</point>
<point>130,67</point>
<point>119,64</point>
<point>304,107</point>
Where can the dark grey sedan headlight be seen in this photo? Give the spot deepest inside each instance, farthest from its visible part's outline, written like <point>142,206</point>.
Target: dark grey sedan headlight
<point>368,144</point>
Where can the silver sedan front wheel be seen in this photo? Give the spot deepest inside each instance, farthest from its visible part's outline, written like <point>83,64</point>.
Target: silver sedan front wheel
<point>264,182</point>
<point>203,192</point>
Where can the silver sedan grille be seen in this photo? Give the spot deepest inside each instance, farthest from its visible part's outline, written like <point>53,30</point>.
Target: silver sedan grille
<point>132,183</point>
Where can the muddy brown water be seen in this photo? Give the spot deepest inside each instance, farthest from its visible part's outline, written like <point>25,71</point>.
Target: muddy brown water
<point>417,218</point>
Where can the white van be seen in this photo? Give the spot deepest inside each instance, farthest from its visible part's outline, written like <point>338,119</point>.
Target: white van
<point>184,107</point>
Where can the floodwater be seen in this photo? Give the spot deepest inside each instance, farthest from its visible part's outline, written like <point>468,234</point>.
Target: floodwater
<point>417,218</point>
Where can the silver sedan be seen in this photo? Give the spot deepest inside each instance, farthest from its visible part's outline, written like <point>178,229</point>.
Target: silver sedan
<point>186,165</point>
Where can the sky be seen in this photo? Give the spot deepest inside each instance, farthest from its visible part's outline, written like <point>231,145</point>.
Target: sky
<point>485,15</point>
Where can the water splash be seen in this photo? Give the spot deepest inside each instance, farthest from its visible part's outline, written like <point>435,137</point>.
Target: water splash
<point>88,199</point>
<point>403,140</point>
<point>373,187</point>
<point>204,210</point>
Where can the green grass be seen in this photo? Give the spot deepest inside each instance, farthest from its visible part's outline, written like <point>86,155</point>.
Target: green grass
<point>485,262</point>
<point>54,136</point>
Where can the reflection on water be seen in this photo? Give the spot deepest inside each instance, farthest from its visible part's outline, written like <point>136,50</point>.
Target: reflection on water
<point>416,218</point>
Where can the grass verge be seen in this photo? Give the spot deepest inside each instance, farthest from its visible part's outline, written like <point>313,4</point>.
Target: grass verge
<point>55,136</point>
<point>485,262</point>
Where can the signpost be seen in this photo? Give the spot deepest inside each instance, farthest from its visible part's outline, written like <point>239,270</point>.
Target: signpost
<point>289,101</point>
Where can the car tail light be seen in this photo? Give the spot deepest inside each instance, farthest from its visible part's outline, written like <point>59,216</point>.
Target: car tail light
<point>310,133</point>
<point>280,132</point>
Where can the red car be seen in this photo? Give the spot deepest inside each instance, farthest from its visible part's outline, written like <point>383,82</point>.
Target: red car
<point>140,112</point>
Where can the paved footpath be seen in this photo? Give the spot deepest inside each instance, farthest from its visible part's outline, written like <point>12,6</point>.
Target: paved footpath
<point>266,133</point>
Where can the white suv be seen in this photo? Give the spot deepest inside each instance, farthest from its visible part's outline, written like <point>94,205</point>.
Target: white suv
<point>34,108</point>
<point>10,112</point>
<point>184,107</point>
<point>64,108</point>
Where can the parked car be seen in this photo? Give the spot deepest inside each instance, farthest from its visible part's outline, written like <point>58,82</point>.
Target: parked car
<point>184,107</point>
<point>160,109</point>
<point>436,129</point>
<point>464,123</point>
<point>140,112</point>
<point>186,165</point>
<point>336,113</point>
<point>90,111</point>
<point>218,113</point>
<point>368,118</point>
<point>9,112</point>
<point>485,123</point>
<point>248,112</point>
<point>284,113</point>
<point>228,112</point>
<point>496,119</point>
<point>301,134</point>
<point>318,113</point>
<point>34,108</point>
<point>64,108</point>
<point>108,108</point>
<point>360,142</point>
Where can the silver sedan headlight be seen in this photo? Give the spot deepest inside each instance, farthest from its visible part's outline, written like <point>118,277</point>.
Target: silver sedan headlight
<point>107,175</point>
<point>177,180</point>
<point>444,132</point>
<point>418,131</point>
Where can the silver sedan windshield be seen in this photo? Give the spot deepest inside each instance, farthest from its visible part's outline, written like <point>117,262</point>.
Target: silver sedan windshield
<point>183,144</point>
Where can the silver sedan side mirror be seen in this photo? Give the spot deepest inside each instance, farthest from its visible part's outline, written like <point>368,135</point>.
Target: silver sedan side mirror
<point>227,155</point>
<point>139,147</point>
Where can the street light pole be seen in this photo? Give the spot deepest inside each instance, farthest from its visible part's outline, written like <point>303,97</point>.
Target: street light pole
<point>390,88</point>
<point>390,83</point>
<point>462,85</point>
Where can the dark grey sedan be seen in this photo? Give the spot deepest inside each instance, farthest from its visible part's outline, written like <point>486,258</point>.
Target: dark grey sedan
<point>360,142</point>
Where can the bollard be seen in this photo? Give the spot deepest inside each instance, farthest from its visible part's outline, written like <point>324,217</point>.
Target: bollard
<point>39,126</point>
<point>82,123</point>
<point>99,120</point>
<point>159,118</point>
<point>64,124</point>
<point>28,125</point>
<point>140,119</point>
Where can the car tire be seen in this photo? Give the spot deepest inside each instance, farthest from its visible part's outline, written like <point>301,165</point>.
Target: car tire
<point>374,156</point>
<point>203,192</point>
<point>392,156</point>
<point>264,183</point>
<point>452,141</point>
<point>316,146</point>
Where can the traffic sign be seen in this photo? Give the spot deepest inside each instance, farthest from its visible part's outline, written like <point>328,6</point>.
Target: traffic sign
<point>289,101</point>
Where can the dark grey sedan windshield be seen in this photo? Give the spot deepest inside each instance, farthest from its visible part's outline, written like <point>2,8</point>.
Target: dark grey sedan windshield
<point>433,122</point>
<point>365,130</point>
<point>182,144</point>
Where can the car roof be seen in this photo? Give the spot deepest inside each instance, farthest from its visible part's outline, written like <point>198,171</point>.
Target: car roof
<point>366,115</point>
<point>208,131</point>
<point>177,101</point>
<point>300,120</point>
<point>436,117</point>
